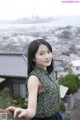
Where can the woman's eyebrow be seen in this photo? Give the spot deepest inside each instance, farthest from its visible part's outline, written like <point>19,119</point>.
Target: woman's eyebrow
<point>42,51</point>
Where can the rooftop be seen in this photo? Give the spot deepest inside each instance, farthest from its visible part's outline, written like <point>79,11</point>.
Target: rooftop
<point>76,63</point>
<point>13,64</point>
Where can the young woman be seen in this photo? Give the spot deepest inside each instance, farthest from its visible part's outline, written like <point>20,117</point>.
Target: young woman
<point>43,89</point>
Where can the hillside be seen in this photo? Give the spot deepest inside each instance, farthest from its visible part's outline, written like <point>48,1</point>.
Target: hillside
<point>58,21</point>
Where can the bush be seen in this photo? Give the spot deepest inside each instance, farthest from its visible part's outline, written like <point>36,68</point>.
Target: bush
<point>72,82</point>
<point>5,99</point>
<point>62,106</point>
<point>18,101</point>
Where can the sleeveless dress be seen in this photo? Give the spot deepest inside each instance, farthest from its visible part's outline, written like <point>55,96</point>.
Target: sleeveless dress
<point>48,100</point>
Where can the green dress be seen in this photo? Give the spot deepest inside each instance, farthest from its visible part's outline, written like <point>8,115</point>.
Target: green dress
<point>49,99</point>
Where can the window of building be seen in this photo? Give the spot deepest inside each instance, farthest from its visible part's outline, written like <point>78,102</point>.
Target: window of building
<point>19,87</point>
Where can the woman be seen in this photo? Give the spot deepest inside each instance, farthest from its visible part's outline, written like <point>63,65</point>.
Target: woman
<point>43,89</point>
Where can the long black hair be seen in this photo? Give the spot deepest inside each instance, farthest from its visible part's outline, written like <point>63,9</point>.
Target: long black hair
<point>32,49</point>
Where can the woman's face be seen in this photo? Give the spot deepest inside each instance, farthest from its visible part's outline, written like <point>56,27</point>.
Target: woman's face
<point>43,56</point>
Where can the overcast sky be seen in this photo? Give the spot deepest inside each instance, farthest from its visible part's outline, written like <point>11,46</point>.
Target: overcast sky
<point>13,9</point>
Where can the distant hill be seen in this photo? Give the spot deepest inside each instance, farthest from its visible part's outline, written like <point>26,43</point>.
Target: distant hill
<point>61,21</point>
<point>29,20</point>
<point>34,20</point>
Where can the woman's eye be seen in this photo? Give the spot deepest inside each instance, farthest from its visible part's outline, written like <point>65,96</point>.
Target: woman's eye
<point>41,53</point>
<point>48,52</point>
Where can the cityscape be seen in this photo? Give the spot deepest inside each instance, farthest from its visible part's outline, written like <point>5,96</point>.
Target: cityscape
<point>65,42</point>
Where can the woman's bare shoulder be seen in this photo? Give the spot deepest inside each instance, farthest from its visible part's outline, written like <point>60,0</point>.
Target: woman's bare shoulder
<point>33,79</point>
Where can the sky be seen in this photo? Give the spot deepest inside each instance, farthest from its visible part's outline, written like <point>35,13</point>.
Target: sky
<point>14,9</point>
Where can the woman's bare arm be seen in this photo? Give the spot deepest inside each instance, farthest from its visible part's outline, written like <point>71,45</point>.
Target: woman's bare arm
<point>30,112</point>
<point>33,84</point>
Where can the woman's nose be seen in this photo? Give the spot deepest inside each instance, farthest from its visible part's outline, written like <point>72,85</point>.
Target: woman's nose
<point>47,55</point>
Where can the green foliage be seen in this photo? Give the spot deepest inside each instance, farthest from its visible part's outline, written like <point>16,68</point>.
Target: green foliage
<point>16,96</point>
<point>72,82</point>
<point>62,106</point>
<point>5,99</point>
<point>18,101</point>
<point>78,81</point>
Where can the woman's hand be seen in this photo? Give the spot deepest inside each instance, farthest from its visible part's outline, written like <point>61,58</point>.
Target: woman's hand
<point>11,109</point>
<point>20,112</point>
<point>26,113</point>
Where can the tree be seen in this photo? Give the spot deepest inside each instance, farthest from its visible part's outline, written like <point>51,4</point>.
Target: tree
<point>72,82</point>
